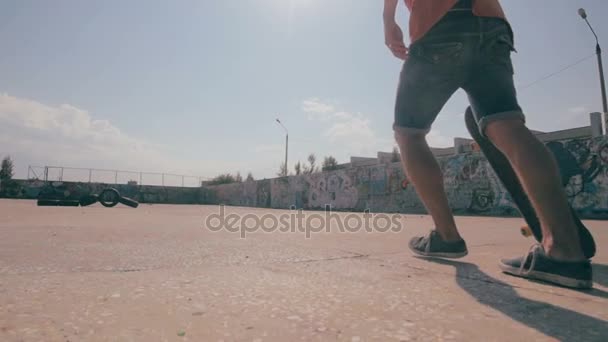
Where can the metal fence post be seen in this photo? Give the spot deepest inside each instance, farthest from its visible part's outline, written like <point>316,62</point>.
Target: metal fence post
<point>32,174</point>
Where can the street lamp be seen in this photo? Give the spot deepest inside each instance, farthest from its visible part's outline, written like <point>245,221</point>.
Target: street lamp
<point>598,51</point>
<point>286,143</point>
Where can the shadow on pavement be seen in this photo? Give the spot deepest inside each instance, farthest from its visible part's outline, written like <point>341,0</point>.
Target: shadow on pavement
<point>554,321</point>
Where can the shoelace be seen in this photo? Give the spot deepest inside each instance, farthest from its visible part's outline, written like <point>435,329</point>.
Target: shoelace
<point>533,250</point>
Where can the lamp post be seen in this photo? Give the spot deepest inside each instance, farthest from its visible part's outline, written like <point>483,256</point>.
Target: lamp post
<point>286,143</point>
<point>598,51</point>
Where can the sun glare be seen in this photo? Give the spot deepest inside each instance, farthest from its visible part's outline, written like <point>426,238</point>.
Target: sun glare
<point>301,3</point>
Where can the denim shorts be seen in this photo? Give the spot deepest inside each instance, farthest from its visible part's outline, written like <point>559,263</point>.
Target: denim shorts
<point>461,51</point>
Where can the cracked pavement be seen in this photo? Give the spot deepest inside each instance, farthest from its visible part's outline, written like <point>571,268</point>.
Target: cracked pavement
<point>157,274</point>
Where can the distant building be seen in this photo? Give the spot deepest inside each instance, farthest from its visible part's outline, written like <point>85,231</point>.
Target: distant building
<point>465,145</point>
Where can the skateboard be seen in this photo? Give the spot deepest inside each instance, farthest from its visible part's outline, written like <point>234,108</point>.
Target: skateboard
<point>509,179</point>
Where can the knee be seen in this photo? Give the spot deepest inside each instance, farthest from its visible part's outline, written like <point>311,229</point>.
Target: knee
<point>409,138</point>
<point>508,134</point>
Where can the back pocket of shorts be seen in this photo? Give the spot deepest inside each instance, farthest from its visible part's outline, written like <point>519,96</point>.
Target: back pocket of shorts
<point>500,51</point>
<point>442,53</point>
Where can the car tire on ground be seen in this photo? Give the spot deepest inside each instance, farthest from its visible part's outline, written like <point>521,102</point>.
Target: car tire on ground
<point>109,197</point>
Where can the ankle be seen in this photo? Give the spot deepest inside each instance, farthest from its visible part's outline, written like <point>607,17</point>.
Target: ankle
<point>449,236</point>
<point>563,252</point>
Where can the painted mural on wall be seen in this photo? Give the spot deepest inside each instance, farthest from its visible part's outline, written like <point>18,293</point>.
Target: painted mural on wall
<point>315,191</point>
<point>471,184</point>
<point>584,168</point>
<point>246,194</point>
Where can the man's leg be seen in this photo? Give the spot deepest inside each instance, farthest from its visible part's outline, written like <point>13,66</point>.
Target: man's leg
<point>493,98</point>
<point>424,172</point>
<point>433,72</point>
<point>423,90</point>
<point>539,175</point>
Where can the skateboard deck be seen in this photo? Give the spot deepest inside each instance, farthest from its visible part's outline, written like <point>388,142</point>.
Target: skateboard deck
<point>506,174</point>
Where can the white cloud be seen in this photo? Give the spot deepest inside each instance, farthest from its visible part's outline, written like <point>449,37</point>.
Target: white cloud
<point>315,105</point>
<point>349,130</point>
<point>343,115</point>
<point>317,110</point>
<point>34,122</point>
<point>39,134</point>
<point>354,130</point>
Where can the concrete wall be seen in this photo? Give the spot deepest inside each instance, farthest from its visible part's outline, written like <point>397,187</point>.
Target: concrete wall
<point>471,185</point>
<point>30,189</point>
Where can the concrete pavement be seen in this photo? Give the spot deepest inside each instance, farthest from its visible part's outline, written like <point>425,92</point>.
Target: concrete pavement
<point>156,273</point>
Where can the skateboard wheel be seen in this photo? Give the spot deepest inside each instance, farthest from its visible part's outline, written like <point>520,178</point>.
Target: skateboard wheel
<point>526,231</point>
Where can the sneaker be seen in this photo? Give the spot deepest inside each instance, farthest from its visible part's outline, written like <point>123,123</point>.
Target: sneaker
<point>537,265</point>
<point>433,246</point>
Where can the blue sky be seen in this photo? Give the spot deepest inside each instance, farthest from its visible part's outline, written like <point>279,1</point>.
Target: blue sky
<point>194,86</point>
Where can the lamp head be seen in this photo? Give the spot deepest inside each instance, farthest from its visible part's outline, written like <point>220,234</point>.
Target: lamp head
<point>582,13</point>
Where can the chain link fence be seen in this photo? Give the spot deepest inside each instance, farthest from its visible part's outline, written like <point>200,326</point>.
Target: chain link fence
<point>84,175</point>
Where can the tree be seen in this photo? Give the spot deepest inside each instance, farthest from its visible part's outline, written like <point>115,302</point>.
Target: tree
<point>6,170</point>
<point>395,156</point>
<point>282,171</point>
<point>312,168</point>
<point>238,178</point>
<point>250,177</point>
<point>298,168</point>
<point>330,163</point>
<point>223,179</point>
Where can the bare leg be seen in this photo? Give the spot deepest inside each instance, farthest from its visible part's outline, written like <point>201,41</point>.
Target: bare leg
<point>423,171</point>
<point>539,175</point>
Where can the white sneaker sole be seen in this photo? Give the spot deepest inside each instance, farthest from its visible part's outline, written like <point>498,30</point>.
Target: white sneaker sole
<point>441,255</point>
<point>548,277</point>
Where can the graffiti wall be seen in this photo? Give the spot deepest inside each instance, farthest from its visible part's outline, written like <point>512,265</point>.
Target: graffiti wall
<point>471,185</point>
